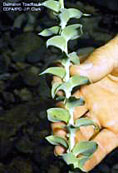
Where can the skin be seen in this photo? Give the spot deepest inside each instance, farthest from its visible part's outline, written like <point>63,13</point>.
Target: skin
<point>101,97</point>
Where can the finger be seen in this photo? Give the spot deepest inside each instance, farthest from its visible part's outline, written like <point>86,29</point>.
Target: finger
<point>100,63</point>
<point>79,110</point>
<point>79,137</point>
<point>107,141</point>
<point>56,79</point>
<point>59,150</point>
<point>59,80</point>
<point>87,131</point>
<point>59,129</point>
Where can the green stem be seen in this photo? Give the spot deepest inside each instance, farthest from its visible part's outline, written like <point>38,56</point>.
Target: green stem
<point>61,3</point>
<point>71,134</point>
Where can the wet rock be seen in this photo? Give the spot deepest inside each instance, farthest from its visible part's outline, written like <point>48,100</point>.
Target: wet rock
<point>24,145</point>
<point>20,165</point>
<point>54,169</point>
<point>8,97</point>
<point>24,45</point>
<point>104,168</point>
<point>30,76</point>
<point>115,169</point>
<point>24,94</point>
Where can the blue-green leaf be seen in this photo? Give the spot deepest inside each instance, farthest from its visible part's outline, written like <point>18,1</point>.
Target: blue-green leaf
<point>64,17</point>
<point>70,159</point>
<point>50,31</point>
<point>58,71</point>
<point>87,148</point>
<point>67,14</point>
<point>73,82</point>
<point>51,4</point>
<point>54,87</point>
<point>58,114</point>
<point>75,13</point>
<point>85,122</point>
<point>72,32</point>
<point>59,42</point>
<point>56,140</point>
<point>74,58</point>
<point>73,102</point>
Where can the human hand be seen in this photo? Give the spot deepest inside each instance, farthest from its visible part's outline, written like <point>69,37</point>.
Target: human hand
<point>101,96</point>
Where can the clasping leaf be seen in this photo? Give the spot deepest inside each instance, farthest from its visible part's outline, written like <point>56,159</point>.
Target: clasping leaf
<point>58,114</point>
<point>51,4</point>
<point>64,17</point>
<point>73,102</point>
<point>58,71</point>
<point>74,58</point>
<point>73,82</point>
<point>85,122</point>
<point>87,148</point>
<point>75,13</point>
<point>70,159</point>
<point>59,42</point>
<point>71,32</point>
<point>54,87</point>
<point>56,140</point>
<point>67,14</point>
<point>50,31</point>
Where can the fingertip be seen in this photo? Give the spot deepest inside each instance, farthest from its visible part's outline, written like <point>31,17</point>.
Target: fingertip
<point>59,150</point>
<point>57,125</point>
<point>74,69</point>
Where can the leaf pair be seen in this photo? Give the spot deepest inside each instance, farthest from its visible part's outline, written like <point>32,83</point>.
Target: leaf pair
<point>60,114</point>
<point>52,4</point>
<point>56,140</point>
<point>85,148</point>
<point>67,14</point>
<point>70,32</point>
<point>74,81</point>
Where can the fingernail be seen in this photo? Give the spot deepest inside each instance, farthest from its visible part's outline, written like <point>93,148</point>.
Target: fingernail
<point>86,66</point>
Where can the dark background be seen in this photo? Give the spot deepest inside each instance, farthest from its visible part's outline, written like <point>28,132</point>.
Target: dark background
<point>24,96</point>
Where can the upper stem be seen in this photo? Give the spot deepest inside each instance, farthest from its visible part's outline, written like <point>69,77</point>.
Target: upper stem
<point>61,3</point>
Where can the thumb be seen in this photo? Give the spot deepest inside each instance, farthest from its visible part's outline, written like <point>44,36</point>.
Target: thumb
<point>100,63</point>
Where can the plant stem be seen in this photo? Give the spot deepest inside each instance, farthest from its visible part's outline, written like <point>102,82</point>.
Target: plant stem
<point>61,3</point>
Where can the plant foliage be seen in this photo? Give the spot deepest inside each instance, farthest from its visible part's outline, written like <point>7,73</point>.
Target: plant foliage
<point>77,153</point>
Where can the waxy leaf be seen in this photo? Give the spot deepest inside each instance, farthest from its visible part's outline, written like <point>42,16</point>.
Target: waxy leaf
<point>75,13</point>
<point>54,87</point>
<point>67,14</point>
<point>87,148</point>
<point>72,32</point>
<point>60,98</point>
<point>56,140</point>
<point>57,71</point>
<point>59,42</point>
<point>50,31</point>
<point>74,58</point>
<point>70,159</point>
<point>64,17</point>
<point>73,102</point>
<point>85,122</point>
<point>73,82</point>
<point>58,114</point>
<point>51,4</point>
